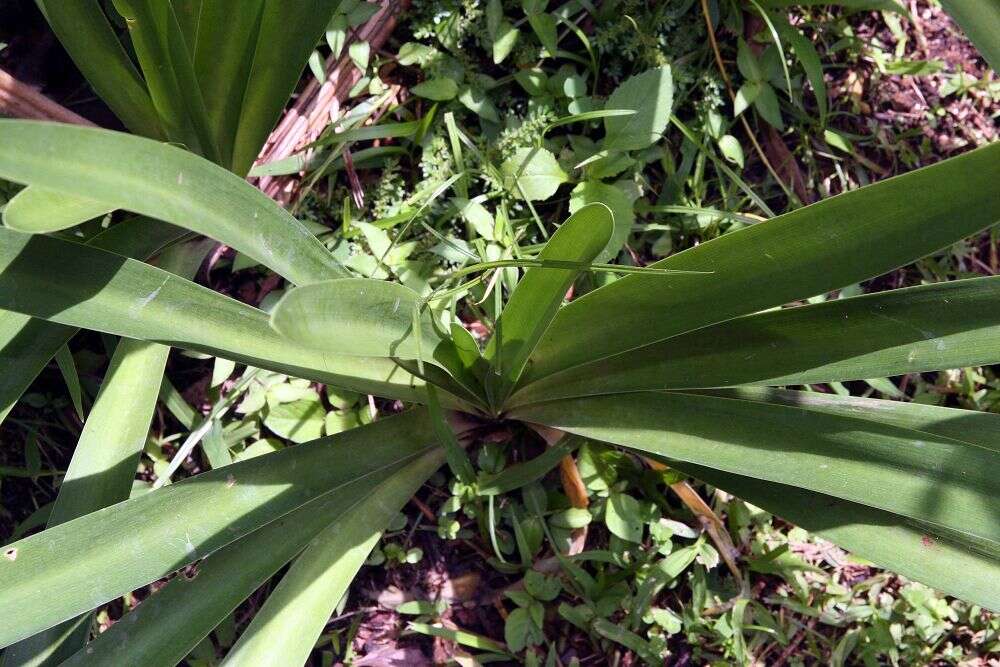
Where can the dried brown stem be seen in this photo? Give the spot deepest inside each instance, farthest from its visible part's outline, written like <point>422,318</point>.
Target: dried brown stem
<point>19,100</point>
<point>732,96</point>
<point>319,104</point>
<point>713,525</point>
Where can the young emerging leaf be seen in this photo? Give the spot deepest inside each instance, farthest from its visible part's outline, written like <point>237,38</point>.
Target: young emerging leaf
<point>541,291</point>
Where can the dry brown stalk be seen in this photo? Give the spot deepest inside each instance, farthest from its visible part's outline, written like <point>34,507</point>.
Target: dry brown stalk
<point>19,100</point>
<point>319,104</point>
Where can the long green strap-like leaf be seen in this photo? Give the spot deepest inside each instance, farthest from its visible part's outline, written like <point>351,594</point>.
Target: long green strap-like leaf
<point>167,625</point>
<point>320,577</point>
<point>28,344</point>
<point>167,183</point>
<point>88,288</point>
<point>930,327</point>
<point>166,64</point>
<point>83,29</point>
<point>981,429</point>
<point>288,33</point>
<point>223,56</point>
<point>921,475</point>
<point>106,456</point>
<point>913,550</point>
<point>141,361</point>
<point>73,567</point>
<point>822,247</point>
<point>539,294</point>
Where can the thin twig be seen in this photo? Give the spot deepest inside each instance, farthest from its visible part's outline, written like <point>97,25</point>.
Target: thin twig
<point>732,96</point>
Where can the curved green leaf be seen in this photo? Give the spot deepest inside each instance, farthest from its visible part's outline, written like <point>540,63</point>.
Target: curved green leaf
<point>73,567</point>
<point>821,247</point>
<point>357,316</point>
<point>541,291</point>
<point>921,475</point>
<point>167,183</point>
<point>167,625</point>
<point>88,288</point>
<point>37,211</point>
<point>930,327</point>
<point>980,19</point>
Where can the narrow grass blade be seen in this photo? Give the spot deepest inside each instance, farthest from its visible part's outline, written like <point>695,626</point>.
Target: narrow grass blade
<point>26,346</point>
<point>164,182</point>
<point>520,474</point>
<point>67,366</point>
<point>924,328</point>
<point>807,55</point>
<point>811,250</point>
<point>69,569</point>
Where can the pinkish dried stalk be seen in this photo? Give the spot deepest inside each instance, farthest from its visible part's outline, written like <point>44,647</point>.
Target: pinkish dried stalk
<point>19,100</point>
<point>319,104</point>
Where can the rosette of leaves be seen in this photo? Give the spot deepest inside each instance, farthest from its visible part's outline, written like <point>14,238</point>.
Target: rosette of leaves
<point>687,362</point>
